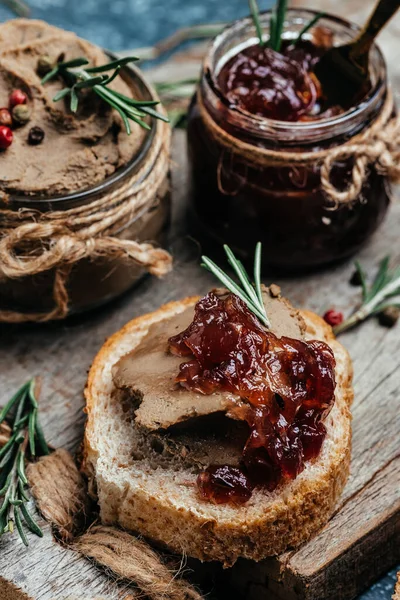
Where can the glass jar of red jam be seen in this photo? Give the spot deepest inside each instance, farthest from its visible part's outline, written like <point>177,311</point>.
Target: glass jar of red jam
<point>237,200</point>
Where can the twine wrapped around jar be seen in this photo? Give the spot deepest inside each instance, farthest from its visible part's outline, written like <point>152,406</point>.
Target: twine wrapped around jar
<point>32,242</point>
<point>378,146</point>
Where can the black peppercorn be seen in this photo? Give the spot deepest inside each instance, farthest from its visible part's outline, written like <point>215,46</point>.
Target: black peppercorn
<point>36,135</point>
<point>355,279</point>
<point>389,316</point>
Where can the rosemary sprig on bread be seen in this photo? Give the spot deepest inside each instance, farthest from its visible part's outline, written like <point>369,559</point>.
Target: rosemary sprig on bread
<point>22,435</point>
<point>247,291</point>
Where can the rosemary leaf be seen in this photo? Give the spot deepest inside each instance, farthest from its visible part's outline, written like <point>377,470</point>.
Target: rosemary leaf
<point>12,401</point>
<point>112,76</point>
<point>31,392</point>
<point>281,9</point>
<point>124,118</point>
<point>153,113</point>
<point>34,527</point>
<point>21,467</point>
<point>74,100</point>
<point>62,94</point>
<point>272,30</point>
<point>19,411</point>
<point>50,75</point>
<point>8,455</point>
<point>89,83</point>
<point>22,421</point>
<point>31,429</point>
<point>3,523</point>
<point>22,491</point>
<point>230,284</point>
<point>257,271</point>
<point>308,26</point>
<point>241,273</point>
<point>114,64</point>
<point>18,524</point>
<point>8,445</point>
<point>129,111</point>
<point>6,500</point>
<point>6,485</point>
<point>381,277</point>
<point>250,296</point>
<point>75,62</point>
<point>255,13</point>
<point>363,279</point>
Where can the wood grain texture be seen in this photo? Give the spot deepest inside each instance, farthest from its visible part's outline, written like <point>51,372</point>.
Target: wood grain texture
<point>362,540</point>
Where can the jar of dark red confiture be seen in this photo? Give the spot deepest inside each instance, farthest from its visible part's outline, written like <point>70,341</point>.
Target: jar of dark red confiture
<point>256,114</point>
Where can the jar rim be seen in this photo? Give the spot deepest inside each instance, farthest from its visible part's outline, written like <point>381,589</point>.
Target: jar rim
<point>264,127</point>
<point>85,195</point>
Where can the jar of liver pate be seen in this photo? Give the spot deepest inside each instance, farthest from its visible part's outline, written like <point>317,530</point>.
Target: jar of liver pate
<point>247,183</point>
<point>82,214</point>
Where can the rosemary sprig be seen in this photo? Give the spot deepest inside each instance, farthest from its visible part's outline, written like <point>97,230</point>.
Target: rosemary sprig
<point>377,297</point>
<point>96,78</point>
<point>26,437</point>
<point>250,293</point>
<point>277,21</point>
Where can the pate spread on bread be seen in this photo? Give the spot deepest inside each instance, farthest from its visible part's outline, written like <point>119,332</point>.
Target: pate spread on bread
<point>162,452</point>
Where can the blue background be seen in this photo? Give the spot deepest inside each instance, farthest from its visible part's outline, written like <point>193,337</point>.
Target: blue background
<point>125,24</point>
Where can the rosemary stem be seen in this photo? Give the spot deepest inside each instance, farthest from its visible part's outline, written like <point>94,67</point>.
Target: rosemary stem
<point>353,320</point>
<point>368,308</point>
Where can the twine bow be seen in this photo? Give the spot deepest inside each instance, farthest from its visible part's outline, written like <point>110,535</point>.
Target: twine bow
<point>381,149</point>
<point>32,242</point>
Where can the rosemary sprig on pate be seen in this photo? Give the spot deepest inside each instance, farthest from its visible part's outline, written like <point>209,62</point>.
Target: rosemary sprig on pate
<point>247,291</point>
<point>79,78</point>
<point>22,435</point>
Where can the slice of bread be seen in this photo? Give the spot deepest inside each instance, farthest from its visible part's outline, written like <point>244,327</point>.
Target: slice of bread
<point>161,501</point>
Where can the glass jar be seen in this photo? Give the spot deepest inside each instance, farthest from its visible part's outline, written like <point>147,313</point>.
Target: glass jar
<point>239,202</point>
<point>95,280</point>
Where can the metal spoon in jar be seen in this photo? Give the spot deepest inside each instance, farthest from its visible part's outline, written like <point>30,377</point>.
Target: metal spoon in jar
<point>343,70</point>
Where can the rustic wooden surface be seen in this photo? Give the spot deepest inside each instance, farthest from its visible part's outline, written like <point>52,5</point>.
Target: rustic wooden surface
<point>363,538</point>
<point>62,353</point>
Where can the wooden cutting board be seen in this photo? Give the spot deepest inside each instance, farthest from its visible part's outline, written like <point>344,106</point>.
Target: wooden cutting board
<point>362,540</point>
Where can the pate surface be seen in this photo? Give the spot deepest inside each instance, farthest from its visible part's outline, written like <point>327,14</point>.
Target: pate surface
<point>78,150</point>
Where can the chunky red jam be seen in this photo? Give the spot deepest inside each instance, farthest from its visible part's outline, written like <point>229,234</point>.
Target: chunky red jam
<point>287,384</point>
<point>277,85</point>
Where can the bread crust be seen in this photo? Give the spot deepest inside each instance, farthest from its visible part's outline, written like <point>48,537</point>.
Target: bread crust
<point>166,508</point>
<point>396,595</point>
